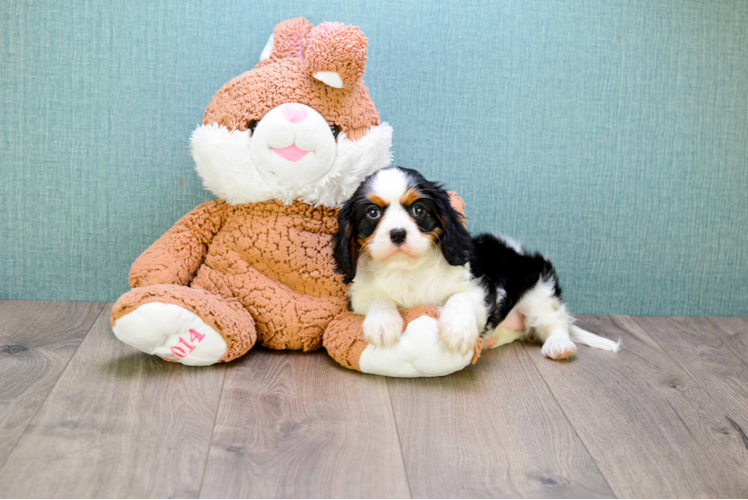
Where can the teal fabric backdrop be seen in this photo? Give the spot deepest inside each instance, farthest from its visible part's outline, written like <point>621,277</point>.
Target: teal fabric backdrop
<point>610,135</point>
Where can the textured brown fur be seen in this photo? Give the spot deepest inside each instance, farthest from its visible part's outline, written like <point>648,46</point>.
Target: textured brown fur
<point>284,77</point>
<point>264,272</point>
<point>274,260</point>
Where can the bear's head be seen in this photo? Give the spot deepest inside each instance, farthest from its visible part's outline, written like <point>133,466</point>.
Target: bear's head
<point>300,125</point>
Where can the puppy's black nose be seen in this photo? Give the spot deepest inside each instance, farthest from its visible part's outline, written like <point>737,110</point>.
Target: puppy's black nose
<point>398,235</point>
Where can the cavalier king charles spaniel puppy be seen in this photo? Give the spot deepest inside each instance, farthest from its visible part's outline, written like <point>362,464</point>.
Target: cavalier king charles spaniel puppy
<point>400,244</point>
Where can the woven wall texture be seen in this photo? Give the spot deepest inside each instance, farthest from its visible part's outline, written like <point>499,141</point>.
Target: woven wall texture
<point>610,135</point>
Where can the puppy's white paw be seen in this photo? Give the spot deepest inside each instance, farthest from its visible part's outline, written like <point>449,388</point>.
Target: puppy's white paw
<point>558,347</point>
<point>383,328</point>
<point>459,331</point>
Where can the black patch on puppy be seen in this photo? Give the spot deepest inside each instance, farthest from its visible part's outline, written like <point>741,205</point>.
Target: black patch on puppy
<point>354,225</point>
<point>345,247</point>
<point>502,267</point>
<point>426,221</point>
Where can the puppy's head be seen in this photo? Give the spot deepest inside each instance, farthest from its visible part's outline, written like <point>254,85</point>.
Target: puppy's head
<point>396,214</point>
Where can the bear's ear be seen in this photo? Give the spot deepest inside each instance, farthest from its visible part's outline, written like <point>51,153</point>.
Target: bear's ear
<point>335,54</point>
<point>286,39</point>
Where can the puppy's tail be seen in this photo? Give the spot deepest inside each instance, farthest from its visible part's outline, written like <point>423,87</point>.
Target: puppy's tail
<point>588,338</point>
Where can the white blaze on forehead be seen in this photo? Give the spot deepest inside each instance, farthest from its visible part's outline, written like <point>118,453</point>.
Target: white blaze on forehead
<point>390,184</point>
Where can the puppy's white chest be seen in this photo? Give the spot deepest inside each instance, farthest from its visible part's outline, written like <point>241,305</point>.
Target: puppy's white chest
<point>418,289</point>
<point>429,286</point>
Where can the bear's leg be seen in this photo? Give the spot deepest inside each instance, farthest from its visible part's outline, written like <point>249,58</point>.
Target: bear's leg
<point>419,353</point>
<point>183,324</point>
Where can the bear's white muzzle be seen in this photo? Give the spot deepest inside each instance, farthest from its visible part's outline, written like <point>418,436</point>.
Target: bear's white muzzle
<point>293,145</point>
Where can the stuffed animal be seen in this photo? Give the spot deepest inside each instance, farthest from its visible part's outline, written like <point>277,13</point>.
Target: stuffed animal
<point>281,146</point>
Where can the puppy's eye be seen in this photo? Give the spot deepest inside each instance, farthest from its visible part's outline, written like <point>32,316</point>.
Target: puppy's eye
<point>335,131</point>
<point>252,125</point>
<point>373,213</point>
<point>417,210</point>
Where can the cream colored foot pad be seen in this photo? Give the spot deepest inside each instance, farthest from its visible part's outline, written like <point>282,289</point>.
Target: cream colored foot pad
<point>172,332</point>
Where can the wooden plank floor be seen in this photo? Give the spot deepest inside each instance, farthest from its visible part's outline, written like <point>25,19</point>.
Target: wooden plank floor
<point>82,415</point>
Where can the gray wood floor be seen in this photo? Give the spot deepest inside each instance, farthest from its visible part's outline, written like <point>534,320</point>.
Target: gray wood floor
<point>83,415</point>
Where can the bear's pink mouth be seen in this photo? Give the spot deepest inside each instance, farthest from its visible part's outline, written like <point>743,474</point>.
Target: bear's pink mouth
<point>291,153</point>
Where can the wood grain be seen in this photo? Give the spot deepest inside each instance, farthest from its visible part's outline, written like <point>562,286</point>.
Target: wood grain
<point>715,359</point>
<point>86,416</point>
<point>297,425</point>
<point>118,423</point>
<point>37,339</point>
<point>737,329</point>
<point>491,430</point>
<point>651,429</point>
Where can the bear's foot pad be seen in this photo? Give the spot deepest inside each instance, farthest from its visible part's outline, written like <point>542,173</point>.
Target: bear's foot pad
<point>171,332</point>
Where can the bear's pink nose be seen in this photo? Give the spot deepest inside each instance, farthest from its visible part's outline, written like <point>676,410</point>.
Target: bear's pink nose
<point>294,113</point>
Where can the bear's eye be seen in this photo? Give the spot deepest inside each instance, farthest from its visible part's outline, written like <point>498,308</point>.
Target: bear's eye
<point>335,131</point>
<point>252,125</point>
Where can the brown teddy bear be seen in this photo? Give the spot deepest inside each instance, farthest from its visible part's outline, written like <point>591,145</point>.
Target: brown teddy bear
<point>282,146</point>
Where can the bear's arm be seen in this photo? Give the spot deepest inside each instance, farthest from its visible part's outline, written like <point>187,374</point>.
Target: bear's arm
<point>175,257</point>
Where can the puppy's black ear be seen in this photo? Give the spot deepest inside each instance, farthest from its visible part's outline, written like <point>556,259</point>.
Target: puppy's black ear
<point>346,249</point>
<point>457,244</point>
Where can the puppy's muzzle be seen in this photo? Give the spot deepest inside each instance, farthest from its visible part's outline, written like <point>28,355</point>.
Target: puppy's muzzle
<point>397,236</point>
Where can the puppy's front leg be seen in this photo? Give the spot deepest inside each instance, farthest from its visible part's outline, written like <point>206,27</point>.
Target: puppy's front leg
<point>462,319</point>
<point>383,324</point>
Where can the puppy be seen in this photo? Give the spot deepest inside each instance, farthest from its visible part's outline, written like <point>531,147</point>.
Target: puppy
<point>401,244</point>
<point>524,285</point>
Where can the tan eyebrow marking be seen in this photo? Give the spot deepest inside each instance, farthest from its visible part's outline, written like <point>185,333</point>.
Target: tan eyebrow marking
<point>410,197</point>
<point>377,200</point>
